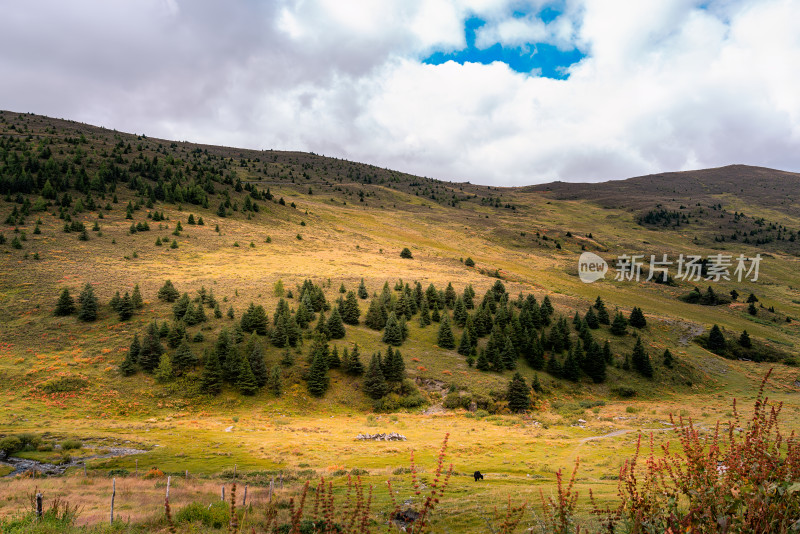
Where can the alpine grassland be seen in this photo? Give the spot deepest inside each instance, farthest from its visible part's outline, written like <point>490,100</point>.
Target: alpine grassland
<point>198,317</point>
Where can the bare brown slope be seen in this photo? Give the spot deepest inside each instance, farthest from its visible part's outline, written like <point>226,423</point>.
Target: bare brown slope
<point>756,185</point>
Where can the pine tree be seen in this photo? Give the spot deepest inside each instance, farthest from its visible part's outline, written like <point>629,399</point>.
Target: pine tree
<point>334,362</point>
<point>508,356</point>
<point>445,339</point>
<point>318,376</point>
<point>716,340</point>
<point>577,321</point>
<point>275,381</point>
<point>211,380</point>
<point>125,308</point>
<point>136,298</point>
<point>519,398</point>
<point>374,382</point>
<point>354,365</point>
<point>65,305</point>
<point>128,365</point>
<point>602,311</point>
<point>393,334</point>
<point>375,318</point>
<point>591,319</point>
<point>231,366</point>
<point>223,348</point>
<point>362,290</point>
<point>435,316</point>
<point>151,349</point>
<point>751,309</point>
<point>322,325</point>
<point>607,356</point>
<point>287,360</point>
<point>640,360</point>
<point>303,316</point>
<point>668,359</point>
<point>115,300</point>
<point>535,354</point>
<point>255,355</point>
<point>87,304</point>
<point>465,345</point>
<point>350,309</point>
<point>537,384</point>
<point>135,349</point>
<point>571,369</point>
<point>449,296</point>
<point>176,335</point>
<point>553,367</point>
<point>280,334</point>
<point>334,326</point>
<point>394,368</point>
<point>620,325</point>
<point>594,363</point>
<point>460,313</point>
<point>744,340</point>
<point>254,319</point>
<point>319,347</point>
<point>482,363</point>
<point>183,359</point>
<point>163,372</point>
<point>180,306</point>
<point>246,381</point>
<point>547,308</point>
<point>637,319</point>
<point>424,313</point>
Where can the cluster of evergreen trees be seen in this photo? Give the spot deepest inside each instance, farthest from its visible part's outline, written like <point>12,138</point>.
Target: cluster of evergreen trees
<point>88,305</point>
<point>515,329</point>
<point>521,328</point>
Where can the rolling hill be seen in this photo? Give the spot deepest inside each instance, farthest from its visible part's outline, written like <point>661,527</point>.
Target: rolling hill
<point>240,230</point>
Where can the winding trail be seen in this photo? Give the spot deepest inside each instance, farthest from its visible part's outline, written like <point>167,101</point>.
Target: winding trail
<point>622,432</point>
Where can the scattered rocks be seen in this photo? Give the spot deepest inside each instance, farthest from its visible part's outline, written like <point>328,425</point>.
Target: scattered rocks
<point>392,436</point>
<point>405,519</point>
<point>22,465</point>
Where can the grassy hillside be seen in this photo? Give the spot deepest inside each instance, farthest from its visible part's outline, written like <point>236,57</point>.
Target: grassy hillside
<point>273,220</point>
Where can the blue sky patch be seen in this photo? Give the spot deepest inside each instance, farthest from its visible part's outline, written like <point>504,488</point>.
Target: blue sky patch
<point>541,58</point>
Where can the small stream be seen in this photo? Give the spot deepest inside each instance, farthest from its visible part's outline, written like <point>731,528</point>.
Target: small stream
<point>22,465</point>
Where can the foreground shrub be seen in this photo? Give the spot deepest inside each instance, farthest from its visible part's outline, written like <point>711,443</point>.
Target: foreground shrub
<point>741,479</point>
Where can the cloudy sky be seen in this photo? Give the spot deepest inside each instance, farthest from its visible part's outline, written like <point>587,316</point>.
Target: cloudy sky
<point>493,92</point>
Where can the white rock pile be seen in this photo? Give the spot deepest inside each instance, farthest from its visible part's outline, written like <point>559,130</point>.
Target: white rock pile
<point>391,436</point>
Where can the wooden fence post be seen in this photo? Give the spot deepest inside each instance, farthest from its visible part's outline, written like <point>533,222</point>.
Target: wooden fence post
<point>113,494</point>
<point>271,486</point>
<point>244,499</point>
<point>169,479</point>
<point>281,479</point>
<point>38,505</point>
<point>223,492</point>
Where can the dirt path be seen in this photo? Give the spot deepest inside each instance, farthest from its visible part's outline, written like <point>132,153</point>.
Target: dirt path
<point>622,432</point>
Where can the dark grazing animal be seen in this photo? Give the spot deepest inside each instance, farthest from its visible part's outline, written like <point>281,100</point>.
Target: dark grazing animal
<point>478,476</point>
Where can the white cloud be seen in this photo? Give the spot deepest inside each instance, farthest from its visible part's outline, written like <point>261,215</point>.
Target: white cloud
<point>666,85</point>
